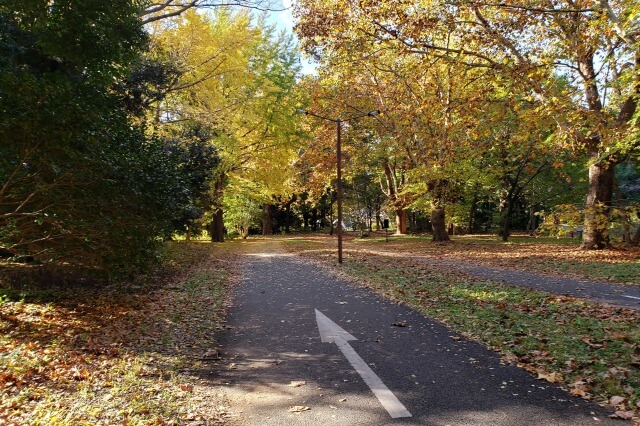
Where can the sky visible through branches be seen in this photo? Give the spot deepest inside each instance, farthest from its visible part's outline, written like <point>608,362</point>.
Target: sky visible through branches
<point>284,21</point>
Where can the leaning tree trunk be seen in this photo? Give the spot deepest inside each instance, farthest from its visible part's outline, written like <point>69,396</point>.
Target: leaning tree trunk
<point>597,208</point>
<point>267,219</point>
<point>401,221</point>
<point>439,224</point>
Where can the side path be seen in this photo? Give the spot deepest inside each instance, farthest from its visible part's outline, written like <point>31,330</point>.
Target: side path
<point>279,371</point>
<point>627,296</point>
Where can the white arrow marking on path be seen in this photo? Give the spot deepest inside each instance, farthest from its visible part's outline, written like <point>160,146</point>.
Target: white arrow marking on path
<point>330,332</point>
<point>631,297</point>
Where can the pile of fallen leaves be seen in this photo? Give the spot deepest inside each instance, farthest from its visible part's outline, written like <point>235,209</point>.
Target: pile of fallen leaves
<point>125,354</point>
<point>592,350</point>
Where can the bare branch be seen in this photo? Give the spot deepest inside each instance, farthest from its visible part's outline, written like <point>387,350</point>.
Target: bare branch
<point>533,9</point>
<point>171,8</point>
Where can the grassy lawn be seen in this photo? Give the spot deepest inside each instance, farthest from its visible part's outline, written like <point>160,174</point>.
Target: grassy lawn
<point>552,255</point>
<point>86,353</point>
<point>592,350</point>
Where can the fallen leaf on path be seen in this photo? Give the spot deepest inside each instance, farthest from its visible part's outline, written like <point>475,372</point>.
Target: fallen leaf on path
<point>342,400</point>
<point>625,415</point>
<point>298,409</point>
<point>400,324</point>
<point>211,355</point>
<point>617,400</point>
<point>552,377</point>
<point>295,384</point>
<point>578,392</point>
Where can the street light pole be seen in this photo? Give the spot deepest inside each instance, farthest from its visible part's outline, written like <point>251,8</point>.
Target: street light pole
<point>339,186</point>
<point>339,122</point>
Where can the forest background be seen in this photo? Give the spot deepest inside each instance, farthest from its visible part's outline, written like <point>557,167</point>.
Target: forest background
<point>129,124</point>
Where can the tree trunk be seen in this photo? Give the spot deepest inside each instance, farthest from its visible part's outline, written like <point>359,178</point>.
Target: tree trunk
<point>532,225</point>
<point>597,208</point>
<point>216,228</point>
<point>505,232</point>
<point>331,219</point>
<point>188,231</point>
<point>244,232</point>
<point>626,233</point>
<point>506,226</point>
<point>287,218</point>
<point>267,219</point>
<point>439,224</point>
<point>314,219</point>
<point>635,239</point>
<point>401,221</point>
<point>472,213</point>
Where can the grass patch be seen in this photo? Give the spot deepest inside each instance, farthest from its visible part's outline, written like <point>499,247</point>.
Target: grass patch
<point>543,254</point>
<point>625,272</point>
<point>592,349</point>
<point>92,353</point>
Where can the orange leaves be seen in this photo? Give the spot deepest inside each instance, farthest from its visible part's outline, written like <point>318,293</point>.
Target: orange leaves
<point>552,377</point>
<point>86,359</point>
<point>579,391</point>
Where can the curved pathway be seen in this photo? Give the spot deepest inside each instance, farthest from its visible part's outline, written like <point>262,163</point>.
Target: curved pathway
<point>623,295</point>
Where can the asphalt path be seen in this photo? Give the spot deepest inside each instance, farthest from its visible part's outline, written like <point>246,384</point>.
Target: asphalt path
<point>627,296</point>
<point>278,371</point>
<point>623,295</point>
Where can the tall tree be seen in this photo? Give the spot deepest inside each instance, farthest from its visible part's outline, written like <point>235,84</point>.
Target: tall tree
<point>578,60</point>
<point>238,79</point>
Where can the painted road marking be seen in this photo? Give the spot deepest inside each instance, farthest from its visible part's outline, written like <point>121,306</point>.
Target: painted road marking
<point>631,297</point>
<point>330,332</point>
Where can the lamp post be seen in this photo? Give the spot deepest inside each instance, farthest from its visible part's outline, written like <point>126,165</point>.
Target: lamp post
<point>339,122</point>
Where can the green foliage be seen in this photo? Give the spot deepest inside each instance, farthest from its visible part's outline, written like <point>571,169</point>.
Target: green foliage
<point>230,73</point>
<point>79,182</point>
<point>242,210</point>
<point>628,177</point>
<point>90,39</point>
<point>198,162</point>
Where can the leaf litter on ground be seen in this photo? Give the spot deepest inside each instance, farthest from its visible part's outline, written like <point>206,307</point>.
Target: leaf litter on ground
<point>128,354</point>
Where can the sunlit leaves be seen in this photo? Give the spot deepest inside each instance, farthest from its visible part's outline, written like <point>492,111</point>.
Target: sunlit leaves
<point>238,80</point>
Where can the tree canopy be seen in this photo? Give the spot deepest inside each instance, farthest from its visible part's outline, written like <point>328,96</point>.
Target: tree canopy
<point>125,123</point>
